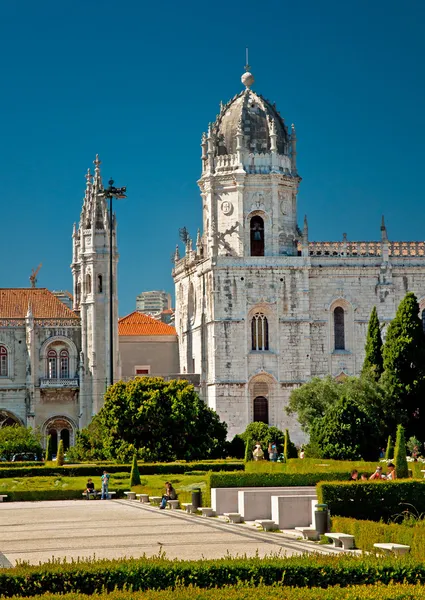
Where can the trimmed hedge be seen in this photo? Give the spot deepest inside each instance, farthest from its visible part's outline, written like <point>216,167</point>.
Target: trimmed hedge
<point>262,592</point>
<point>223,480</point>
<point>372,500</point>
<point>367,533</point>
<point>88,577</point>
<point>144,469</point>
<point>59,494</point>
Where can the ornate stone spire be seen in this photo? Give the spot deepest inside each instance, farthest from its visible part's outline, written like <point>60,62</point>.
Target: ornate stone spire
<point>293,149</point>
<point>97,175</point>
<point>247,78</point>
<point>177,254</point>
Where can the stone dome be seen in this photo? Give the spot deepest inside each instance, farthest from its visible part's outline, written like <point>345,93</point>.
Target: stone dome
<point>255,117</point>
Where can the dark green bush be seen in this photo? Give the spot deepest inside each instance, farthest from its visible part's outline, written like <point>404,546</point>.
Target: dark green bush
<point>59,494</point>
<point>88,577</point>
<point>262,592</point>
<point>219,480</point>
<point>374,500</point>
<point>144,469</point>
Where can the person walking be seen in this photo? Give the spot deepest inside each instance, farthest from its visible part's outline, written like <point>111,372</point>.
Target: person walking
<point>272,450</point>
<point>105,486</point>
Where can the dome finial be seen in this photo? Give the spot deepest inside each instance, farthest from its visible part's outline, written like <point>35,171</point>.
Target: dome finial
<point>247,78</point>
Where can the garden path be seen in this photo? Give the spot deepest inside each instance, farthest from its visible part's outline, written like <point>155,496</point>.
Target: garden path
<point>37,531</point>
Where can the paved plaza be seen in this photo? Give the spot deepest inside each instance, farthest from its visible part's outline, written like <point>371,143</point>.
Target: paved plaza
<point>37,531</point>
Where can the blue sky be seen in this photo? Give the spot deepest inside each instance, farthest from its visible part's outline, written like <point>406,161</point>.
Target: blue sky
<point>138,83</point>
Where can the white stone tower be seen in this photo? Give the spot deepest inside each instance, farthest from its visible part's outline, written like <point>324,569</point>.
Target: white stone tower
<point>239,275</point>
<point>90,270</point>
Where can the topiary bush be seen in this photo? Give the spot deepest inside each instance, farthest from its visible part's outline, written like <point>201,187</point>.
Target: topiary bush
<point>400,459</point>
<point>60,457</point>
<point>135,474</point>
<point>389,453</point>
<point>48,454</point>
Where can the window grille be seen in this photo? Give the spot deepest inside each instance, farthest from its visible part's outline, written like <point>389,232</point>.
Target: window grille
<point>260,332</point>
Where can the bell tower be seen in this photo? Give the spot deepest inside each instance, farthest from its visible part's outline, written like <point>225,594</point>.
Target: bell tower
<point>90,270</point>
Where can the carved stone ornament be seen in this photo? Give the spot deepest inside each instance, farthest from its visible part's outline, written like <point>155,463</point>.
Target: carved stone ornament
<point>285,202</point>
<point>227,207</point>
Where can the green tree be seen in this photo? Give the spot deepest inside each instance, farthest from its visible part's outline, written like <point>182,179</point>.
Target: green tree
<point>289,449</point>
<point>311,400</point>
<point>236,448</point>
<point>389,453</point>
<point>400,460</point>
<point>373,359</point>
<point>164,420</point>
<point>135,473</point>
<point>404,366</point>
<point>48,453</point>
<point>60,457</point>
<point>346,432</point>
<point>264,435</point>
<point>16,439</point>
<point>248,450</point>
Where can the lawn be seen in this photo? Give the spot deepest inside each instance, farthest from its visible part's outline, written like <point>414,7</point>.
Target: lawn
<point>32,488</point>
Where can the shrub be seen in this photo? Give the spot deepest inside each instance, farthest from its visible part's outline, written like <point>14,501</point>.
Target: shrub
<point>389,453</point>
<point>264,435</point>
<point>248,450</point>
<point>289,449</point>
<point>135,474</point>
<point>374,500</point>
<point>17,439</point>
<point>88,577</point>
<point>48,454</point>
<point>400,460</point>
<point>367,533</point>
<point>236,448</point>
<point>392,591</point>
<point>60,457</point>
<point>219,480</point>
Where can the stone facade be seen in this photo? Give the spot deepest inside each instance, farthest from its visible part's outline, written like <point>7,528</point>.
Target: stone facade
<point>54,361</point>
<point>259,308</point>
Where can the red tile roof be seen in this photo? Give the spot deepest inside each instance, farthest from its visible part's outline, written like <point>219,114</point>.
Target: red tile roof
<point>14,304</point>
<point>137,323</point>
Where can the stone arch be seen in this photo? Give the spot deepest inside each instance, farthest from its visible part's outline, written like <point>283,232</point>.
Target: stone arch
<point>341,321</point>
<point>267,232</point>
<point>269,329</point>
<point>8,418</point>
<point>56,426</point>
<point>5,360</point>
<point>60,343</point>
<point>262,390</point>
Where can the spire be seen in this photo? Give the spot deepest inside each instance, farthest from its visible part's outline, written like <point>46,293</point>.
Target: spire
<point>304,242</point>
<point>384,235</point>
<point>385,250</point>
<point>29,314</point>
<point>273,135</point>
<point>247,78</point>
<point>305,228</point>
<point>177,254</point>
<point>97,176</point>
<point>198,242</point>
<point>293,150</point>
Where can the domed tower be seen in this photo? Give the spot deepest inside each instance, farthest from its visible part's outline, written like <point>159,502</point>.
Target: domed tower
<point>249,179</point>
<point>242,289</point>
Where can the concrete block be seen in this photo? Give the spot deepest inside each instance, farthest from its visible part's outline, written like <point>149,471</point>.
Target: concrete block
<point>292,511</point>
<point>227,499</point>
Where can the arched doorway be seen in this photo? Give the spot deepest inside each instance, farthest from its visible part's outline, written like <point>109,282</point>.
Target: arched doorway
<point>257,236</point>
<point>59,428</point>
<point>261,409</point>
<point>7,419</point>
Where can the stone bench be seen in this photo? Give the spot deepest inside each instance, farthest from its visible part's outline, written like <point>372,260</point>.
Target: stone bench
<point>308,533</point>
<point>155,499</point>
<point>207,511</point>
<point>233,517</point>
<point>2,497</point>
<point>189,508</point>
<point>266,524</point>
<point>130,495</point>
<point>173,504</point>
<point>227,499</point>
<point>341,540</point>
<point>144,498</point>
<point>256,503</point>
<point>292,511</point>
<point>97,494</point>
<point>397,549</point>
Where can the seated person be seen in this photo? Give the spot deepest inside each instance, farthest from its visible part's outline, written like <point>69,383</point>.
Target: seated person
<point>90,488</point>
<point>364,477</point>
<point>354,475</point>
<point>391,475</point>
<point>378,474</point>
<point>170,494</point>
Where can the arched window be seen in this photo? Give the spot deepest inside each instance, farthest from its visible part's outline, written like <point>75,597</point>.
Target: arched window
<point>78,294</point>
<point>52,368</point>
<point>64,364</point>
<point>261,409</point>
<point>99,284</point>
<point>339,328</point>
<point>423,320</point>
<point>260,332</point>
<point>257,236</point>
<point>4,371</point>
<point>88,283</point>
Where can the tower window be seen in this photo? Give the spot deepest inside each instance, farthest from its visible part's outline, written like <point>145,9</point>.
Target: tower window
<point>261,409</point>
<point>78,294</point>
<point>52,367</point>
<point>257,236</point>
<point>260,332</point>
<point>64,364</point>
<point>339,328</point>
<point>88,283</point>
<point>3,362</point>
<point>99,284</point>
